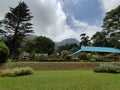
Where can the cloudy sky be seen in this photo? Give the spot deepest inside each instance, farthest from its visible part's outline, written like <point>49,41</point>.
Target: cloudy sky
<point>61,19</point>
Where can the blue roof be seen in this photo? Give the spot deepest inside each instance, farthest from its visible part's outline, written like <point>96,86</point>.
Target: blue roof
<point>98,49</point>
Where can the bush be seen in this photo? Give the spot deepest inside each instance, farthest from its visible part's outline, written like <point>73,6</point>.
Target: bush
<point>97,58</point>
<point>83,56</point>
<point>17,72</point>
<point>4,52</point>
<point>64,54</point>
<point>24,56</point>
<point>40,57</point>
<point>107,69</point>
<point>53,57</point>
<point>109,57</point>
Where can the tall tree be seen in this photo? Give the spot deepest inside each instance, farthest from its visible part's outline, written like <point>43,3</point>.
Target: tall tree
<point>85,41</point>
<point>111,26</point>
<point>111,22</point>
<point>16,23</point>
<point>110,35</point>
<point>44,45</point>
<point>99,39</point>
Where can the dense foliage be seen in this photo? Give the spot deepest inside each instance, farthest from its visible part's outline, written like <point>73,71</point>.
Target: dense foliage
<point>110,35</point>
<point>107,69</point>
<point>44,45</point>
<point>98,57</point>
<point>16,24</point>
<point>99,39</point>
<point>85,41</point>
<point>111,22</point>
<point>4,52</point>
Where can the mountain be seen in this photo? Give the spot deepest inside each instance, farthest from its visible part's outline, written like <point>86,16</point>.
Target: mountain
<point>67,41</point>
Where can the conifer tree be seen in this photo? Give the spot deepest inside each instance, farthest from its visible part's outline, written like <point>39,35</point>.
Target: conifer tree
<point>17,24</point>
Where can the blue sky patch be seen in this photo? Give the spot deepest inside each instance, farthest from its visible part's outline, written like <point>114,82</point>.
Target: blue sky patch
<point>84,10</point>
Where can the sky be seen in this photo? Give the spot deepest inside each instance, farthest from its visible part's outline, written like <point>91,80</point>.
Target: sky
<point>62,19</point>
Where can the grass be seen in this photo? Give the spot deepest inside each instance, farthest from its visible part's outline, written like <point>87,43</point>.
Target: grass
<point>62,80</point>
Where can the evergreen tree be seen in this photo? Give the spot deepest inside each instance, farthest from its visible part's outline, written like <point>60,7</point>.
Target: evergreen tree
<point>16,23</point>
<point>85,41</point>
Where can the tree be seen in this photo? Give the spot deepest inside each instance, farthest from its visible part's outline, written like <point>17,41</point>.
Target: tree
<point>29,45</point>
<point>44,45</point>
<point>99,39</point>
<point>111,27</point>
<point>17,25</point>
<point>113,42</point>
<point>64,54</point>
<point>84,40</point>
<point>111,22</point>
<point>110,35</point>
<point>2,31</point>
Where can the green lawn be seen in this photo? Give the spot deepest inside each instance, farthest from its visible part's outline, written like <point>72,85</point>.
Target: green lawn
<point>62,80</point>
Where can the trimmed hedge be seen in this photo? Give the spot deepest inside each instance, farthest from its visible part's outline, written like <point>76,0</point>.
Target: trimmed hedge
<point>16,72</point>
<point>4,52</point>
<point>107,69</point>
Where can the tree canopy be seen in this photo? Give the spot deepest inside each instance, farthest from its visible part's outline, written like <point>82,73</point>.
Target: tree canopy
<point>84,40</point>
<point>44,45</point>
<point>111,22</point>
<point>16,24</point>
<point>110,35</point>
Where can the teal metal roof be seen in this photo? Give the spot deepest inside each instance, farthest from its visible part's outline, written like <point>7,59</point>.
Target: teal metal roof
<point>98,49</point>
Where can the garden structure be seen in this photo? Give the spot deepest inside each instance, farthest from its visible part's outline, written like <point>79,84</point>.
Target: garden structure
<point>97,49</point>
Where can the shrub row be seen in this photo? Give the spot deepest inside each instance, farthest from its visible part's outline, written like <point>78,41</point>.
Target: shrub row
<point>96,57</point>
<point>16,72</point>
<point>107,69</point>
<point>67,56</point>
<point>25,56</point>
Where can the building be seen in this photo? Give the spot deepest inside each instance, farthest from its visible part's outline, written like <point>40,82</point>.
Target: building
<point>97,49</point>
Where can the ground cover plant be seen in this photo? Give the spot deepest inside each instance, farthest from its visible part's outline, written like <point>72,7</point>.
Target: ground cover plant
<point>16,72</point>
<point>62,80</point>
<point>107,69</point>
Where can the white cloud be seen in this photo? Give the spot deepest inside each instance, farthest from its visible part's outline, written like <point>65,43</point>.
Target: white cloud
<point>108,5</point>
<point>50,20</point>
<point>83,27</point>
